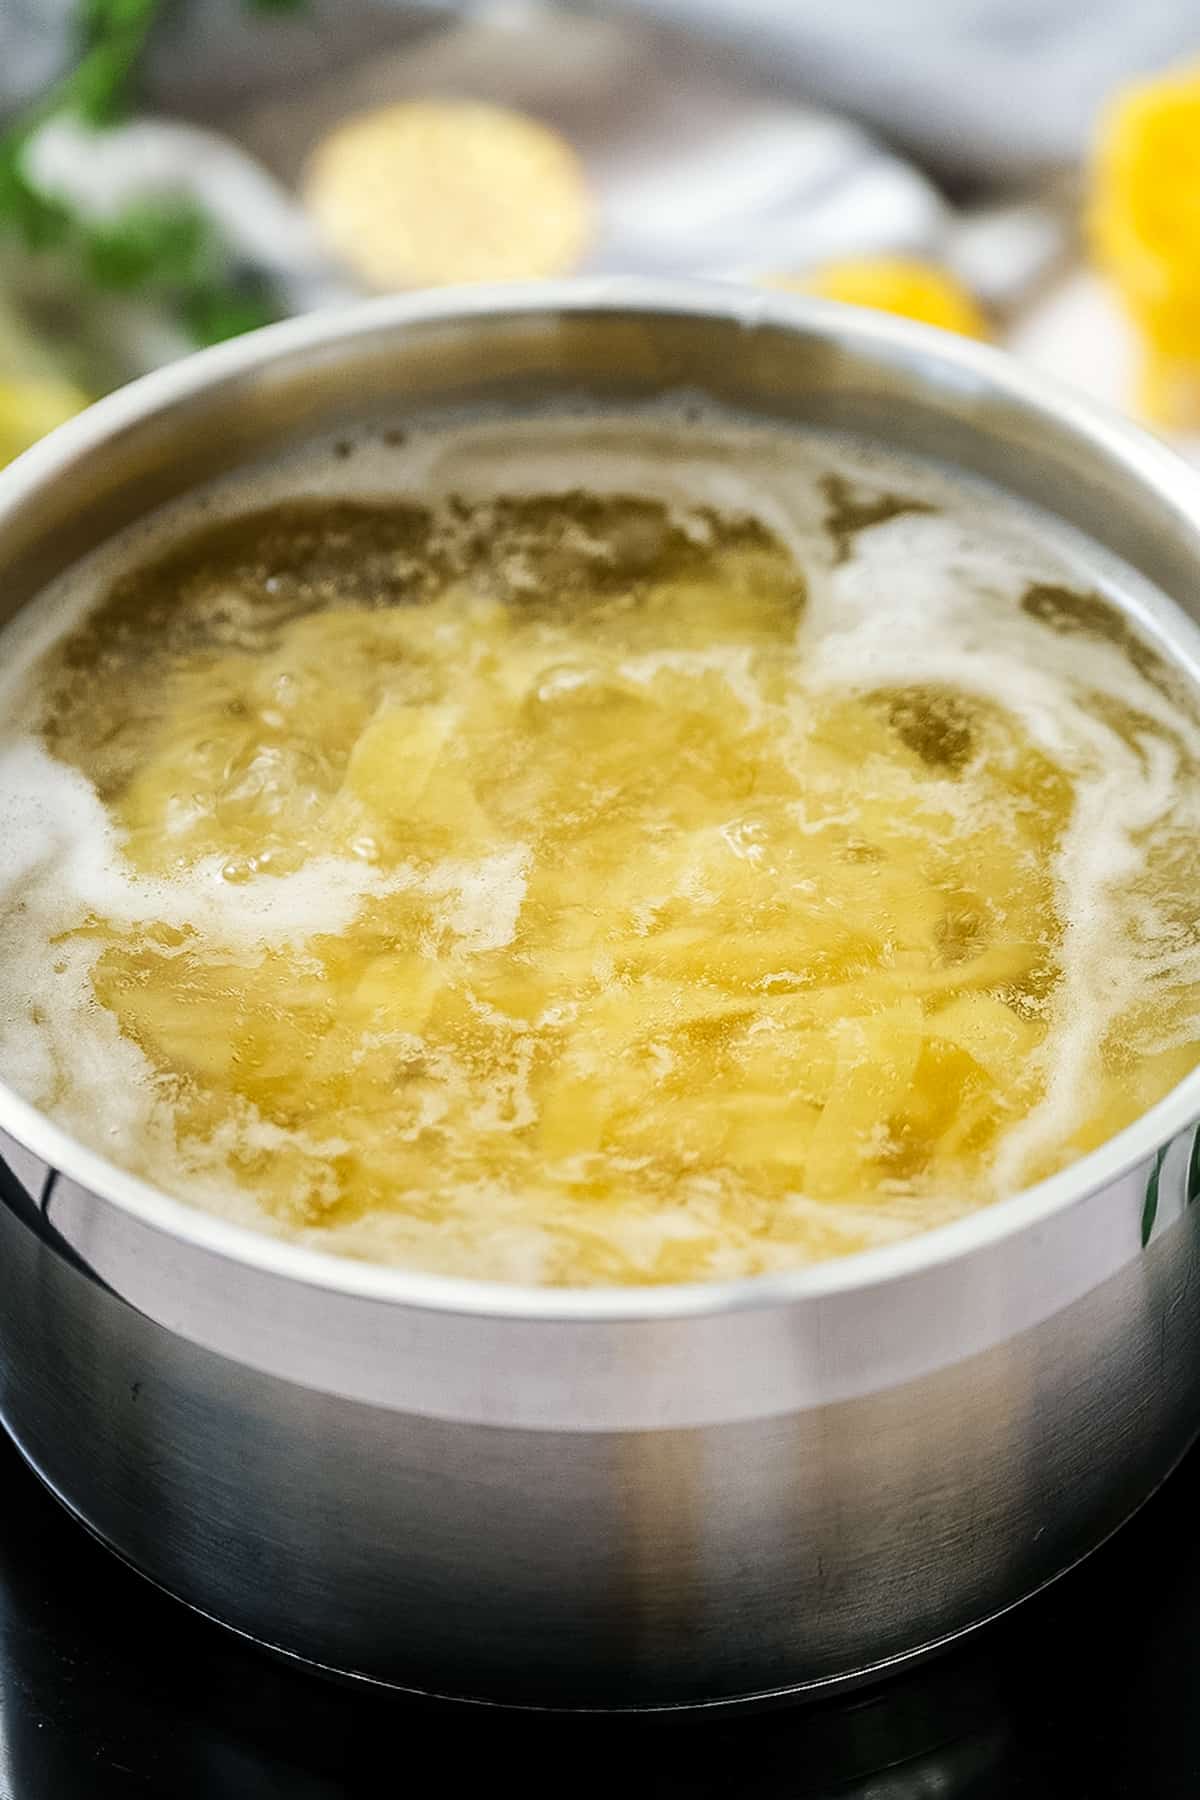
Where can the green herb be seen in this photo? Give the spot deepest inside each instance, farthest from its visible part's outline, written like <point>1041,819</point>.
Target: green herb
<point>211,315</point>
<point>113,38</point>
<point>40,221</point>
<point>152,243</point>
<point>167,247</point>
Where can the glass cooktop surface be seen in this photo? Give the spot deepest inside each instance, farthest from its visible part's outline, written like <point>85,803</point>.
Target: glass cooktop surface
<point>108,1687</point>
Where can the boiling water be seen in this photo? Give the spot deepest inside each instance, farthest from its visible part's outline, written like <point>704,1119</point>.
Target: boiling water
<point>630,850</point>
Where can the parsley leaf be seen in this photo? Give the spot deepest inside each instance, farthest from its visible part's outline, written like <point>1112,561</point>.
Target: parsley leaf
<point>40,221</point>
<point>226,310</point>
<point>114,35</point>
<point>165,246</point>
<point>151,243</point>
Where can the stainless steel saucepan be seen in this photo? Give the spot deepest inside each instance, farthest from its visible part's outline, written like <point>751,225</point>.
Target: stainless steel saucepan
<point>609,1498</point>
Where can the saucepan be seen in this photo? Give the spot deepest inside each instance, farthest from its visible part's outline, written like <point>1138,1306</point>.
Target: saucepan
<point>609,1498</point>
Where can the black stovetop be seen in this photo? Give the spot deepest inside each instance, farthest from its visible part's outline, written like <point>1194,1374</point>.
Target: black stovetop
<point>108,1687</point>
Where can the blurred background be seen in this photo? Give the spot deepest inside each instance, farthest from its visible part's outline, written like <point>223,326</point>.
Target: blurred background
<point>173,172</point>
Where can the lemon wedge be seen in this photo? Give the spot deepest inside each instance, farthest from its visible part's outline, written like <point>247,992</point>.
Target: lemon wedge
<point>1144,226</point>
<point>894,284</point>
<point>425,192</point>
<point>30,407</point>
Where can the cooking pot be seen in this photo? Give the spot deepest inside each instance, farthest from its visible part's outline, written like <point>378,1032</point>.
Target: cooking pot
<point>609,1498</point>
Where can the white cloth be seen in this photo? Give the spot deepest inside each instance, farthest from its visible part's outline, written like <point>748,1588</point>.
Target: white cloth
<point>979,86</point>
<point>976,86</point>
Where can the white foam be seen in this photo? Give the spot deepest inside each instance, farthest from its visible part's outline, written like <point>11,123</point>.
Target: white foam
<point>924,598</point>
<point>58,834</point>
<point>948,618</point>
<point>483,899</point>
